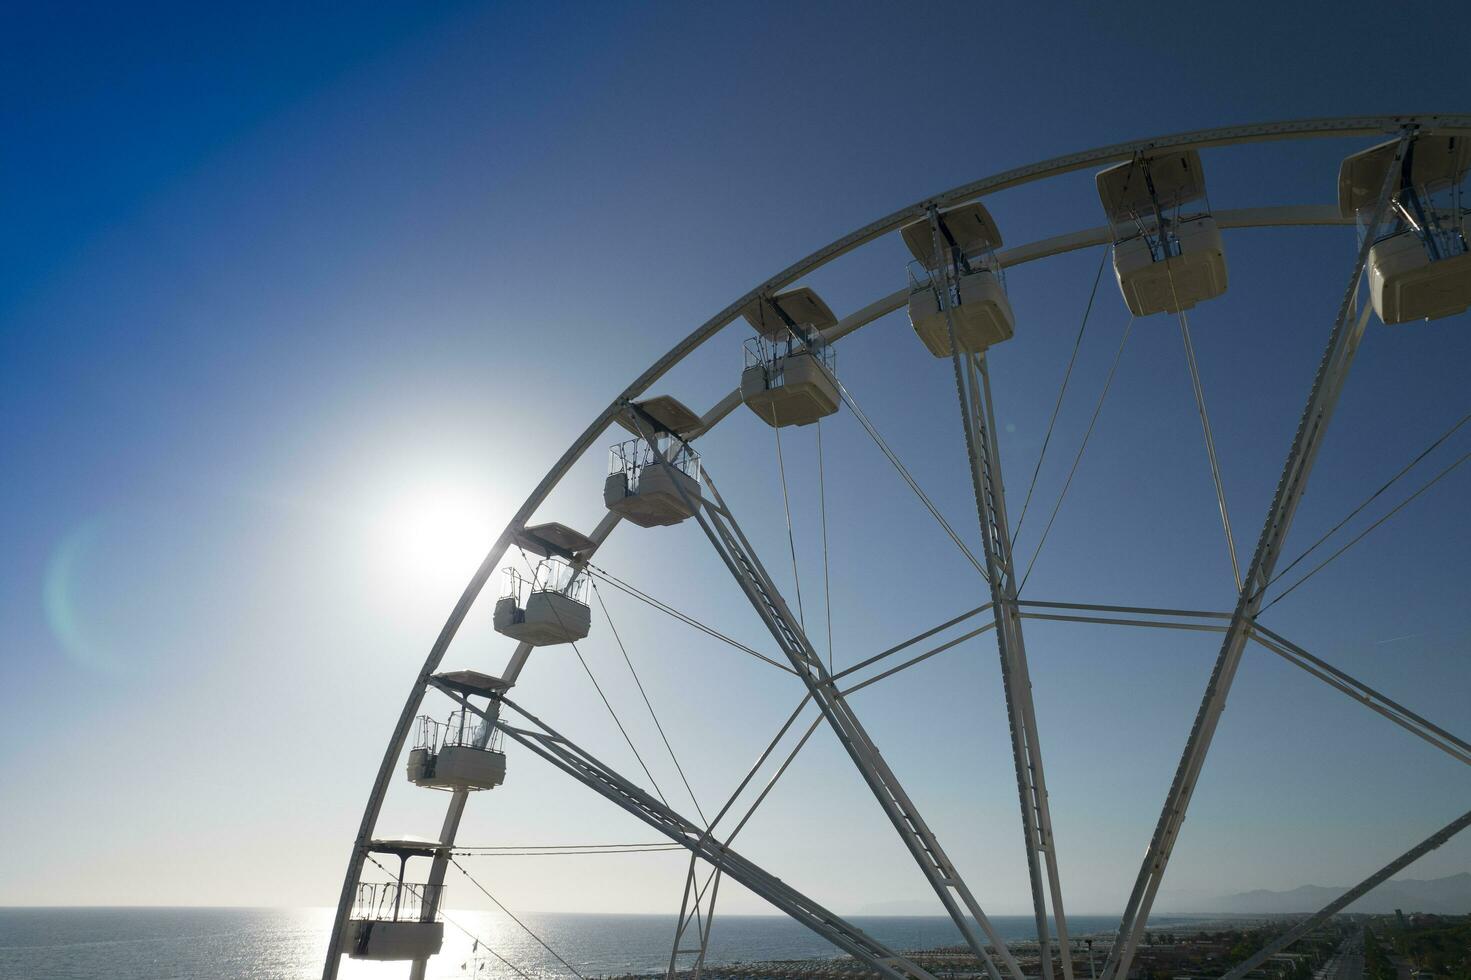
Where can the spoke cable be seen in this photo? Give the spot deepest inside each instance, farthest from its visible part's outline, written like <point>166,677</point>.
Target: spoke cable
<point>647,703</point>
<point>1057,407</point>
<point>479,943</point>
<point>1205,419</point>
<point>575,852</point>
<point>1360,536</point>
<point>608,704</point>
<point>616,721</point>
<point>1371,498</point>
<point>761,797</point>
<point>893,458</point>
<point>787,505</point>
<point>486,892</point>
<point>1087,434</point>
<point>556,847</point>
<point>622,586</point>
<point>827,592</point>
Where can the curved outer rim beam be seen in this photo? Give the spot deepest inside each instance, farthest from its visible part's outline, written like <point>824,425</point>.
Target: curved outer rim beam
<point>1285,216</point>
<point>1342,126</point>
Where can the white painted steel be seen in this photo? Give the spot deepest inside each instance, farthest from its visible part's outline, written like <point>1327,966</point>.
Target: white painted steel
<point>657,501</point>
<point>457,767</point>
<point>549,618</point>
<point>567,756</point>
<point>982,319</point>
<point>726,537</point>
<point>1294,216</point>
<point>1343,343</point>
<point>1323,127</point>
<point>1457,748</point>
<point>978,423</point>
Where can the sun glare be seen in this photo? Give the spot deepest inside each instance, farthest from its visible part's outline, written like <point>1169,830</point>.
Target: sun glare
<point>437,534</point>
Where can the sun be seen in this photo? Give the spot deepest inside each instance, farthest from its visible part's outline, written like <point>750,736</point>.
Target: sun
<point>436,534</point>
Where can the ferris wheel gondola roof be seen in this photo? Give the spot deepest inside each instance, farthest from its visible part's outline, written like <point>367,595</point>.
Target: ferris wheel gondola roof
<point>802,306</point>
<point>472,682</point>
<point>971,227</point>
<point>667,412</point>
<point>408,845</point>
<point>552,539</point>
<point>1137,185</point>
<point>1436,156</point>
<point>1366,127</point>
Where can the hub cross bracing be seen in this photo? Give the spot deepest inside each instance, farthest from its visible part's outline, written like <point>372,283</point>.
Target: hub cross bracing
<point>973,392</point>
<point>561,752</point>
<point>1343,344</point>
<point>972,383</point>
<point>730,543</point>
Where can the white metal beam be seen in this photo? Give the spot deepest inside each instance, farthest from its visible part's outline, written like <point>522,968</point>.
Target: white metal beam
<point>984,628</point>
<point>1284,216</point>
<point>729,542</point>
<point>567,756</point>
<point>1366,126</point>
<point>1456,748</point>
<point>1343,344</point>
<point>1142,610</point>
<point>910,642</point>
<point>1162,624</point>
<point>973,397</point>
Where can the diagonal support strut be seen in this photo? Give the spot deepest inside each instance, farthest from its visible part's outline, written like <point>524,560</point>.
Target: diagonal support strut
<point>973,392</point>
<point>730,543</point>
<point>541,740</point>
<point>1338,357</point>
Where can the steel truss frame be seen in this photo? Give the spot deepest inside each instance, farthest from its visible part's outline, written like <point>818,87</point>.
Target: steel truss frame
<point>1456,748</point>
<point>977,416</point>
<point>1338,357</point>
<point>700,913</point>
<point>713,880</point>
<point>736,552</point>
<point>694,908</point>
<point>544,741</point>
<point>1364,126</point>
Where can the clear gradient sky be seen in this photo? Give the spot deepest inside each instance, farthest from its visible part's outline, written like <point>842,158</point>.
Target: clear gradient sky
<point>298,304</point>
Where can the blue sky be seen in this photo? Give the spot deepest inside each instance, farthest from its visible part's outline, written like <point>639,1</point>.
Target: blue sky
<point>299,304</point>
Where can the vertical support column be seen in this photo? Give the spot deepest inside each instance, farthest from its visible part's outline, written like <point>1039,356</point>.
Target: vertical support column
<point>977,416</point>
<point>394,749</point>
<point>450,829</point>
<point>730,543</point>
<point>695,909</point>
<point>1343,344</point>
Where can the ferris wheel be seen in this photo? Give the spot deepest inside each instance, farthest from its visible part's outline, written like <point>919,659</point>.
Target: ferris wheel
<point>1403,191</point>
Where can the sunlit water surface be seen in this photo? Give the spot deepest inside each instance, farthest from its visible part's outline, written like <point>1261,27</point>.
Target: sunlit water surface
<point>287,944</point>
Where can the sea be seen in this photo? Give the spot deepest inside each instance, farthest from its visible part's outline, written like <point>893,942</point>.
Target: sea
<point>288,944</point>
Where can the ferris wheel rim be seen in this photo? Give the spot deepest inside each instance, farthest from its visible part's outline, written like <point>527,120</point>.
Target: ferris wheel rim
<point>1316,128</point>
<point>1311,128</point>
<point>1321,127</point>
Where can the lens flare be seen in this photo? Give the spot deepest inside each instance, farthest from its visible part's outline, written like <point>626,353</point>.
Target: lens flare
<point>59,596</point>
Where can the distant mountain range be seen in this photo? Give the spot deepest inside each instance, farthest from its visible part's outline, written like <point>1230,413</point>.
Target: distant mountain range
<point>1445,896</point>
<point>1448,896</point>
